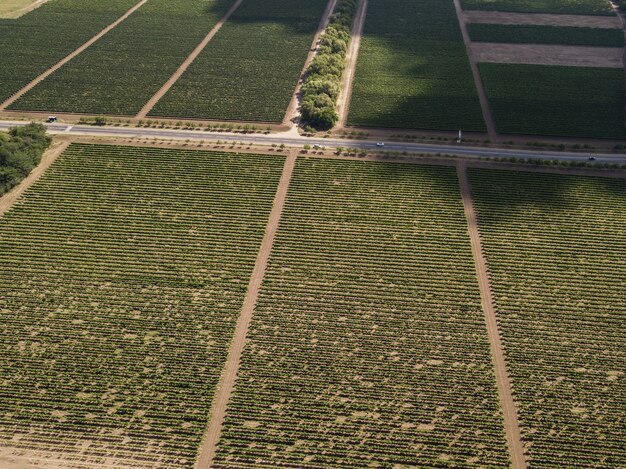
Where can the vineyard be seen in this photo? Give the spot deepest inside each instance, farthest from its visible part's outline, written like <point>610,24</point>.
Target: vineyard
<point>532,34</point>
<point>61,26</point>
<point>413,70</point>
<point>555,246</point>
<point>122,274</point>
<point>551,100</point>
<point>368,345</point>
<point>571,7</point>
<point>121,72</point>
<point>249,70</point>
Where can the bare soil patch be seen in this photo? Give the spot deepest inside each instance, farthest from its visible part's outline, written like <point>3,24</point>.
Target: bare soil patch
<point>541,54</point>
<point>11,9</point>
<point>541,19</point>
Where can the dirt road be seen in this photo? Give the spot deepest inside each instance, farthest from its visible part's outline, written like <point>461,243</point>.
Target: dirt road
<point>507,404</point>
<point>541,19</point>
<point>229,374</point>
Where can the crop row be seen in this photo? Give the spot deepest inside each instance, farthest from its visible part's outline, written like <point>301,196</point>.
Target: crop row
<point>34,42</point>
<point>413,70</point>
<point>121,72</point>
<point>122,274</point>
<point>250,69</point>
<point>555,247</point>
<point>368,344</point>
<point>571,7</point>
<point>551,100</point>
<point>535,34</point>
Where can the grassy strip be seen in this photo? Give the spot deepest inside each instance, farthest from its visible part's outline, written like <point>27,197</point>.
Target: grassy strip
<point>561,101</point>
<point>123,70</point>
<point>555,247</point>
<point>34,42</point>
<point>122,273</point>
<point>20,151</point>
<point>323,77</point>
<point>413,70</point>
<point>533,34</point>
<point>250,69</point>
<point>368,340</point>
<point>570,7</point>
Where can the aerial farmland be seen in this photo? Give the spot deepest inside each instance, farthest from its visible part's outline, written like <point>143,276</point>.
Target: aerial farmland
<point>312,234</point>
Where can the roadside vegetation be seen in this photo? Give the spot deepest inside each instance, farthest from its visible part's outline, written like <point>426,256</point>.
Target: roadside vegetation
<point>20,151</point>
<point>249,70</point>
<point>553,100</point>
<point>571,7</point>
<point>555,247</point>
<point>413,70</point>
<point>123,70</point>
<point>322,83</point>
<point>533,34</point>
<point>122,274</point>
<point>36,41</point>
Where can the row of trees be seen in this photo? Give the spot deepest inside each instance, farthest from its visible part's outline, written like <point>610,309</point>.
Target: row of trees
<point>323,78</point>
<point>20,151</point>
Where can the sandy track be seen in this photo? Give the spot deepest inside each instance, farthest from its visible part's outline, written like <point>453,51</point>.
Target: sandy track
<point>292,115</point>
<point>541,19</point>
<point>188,61</point>
<point>480,87</point>
<point>507,404</point>
<point>541,54</point>
<point>229,374</point>
<point>49,157</point>
<point>59,64</point>
<point>345,94</point>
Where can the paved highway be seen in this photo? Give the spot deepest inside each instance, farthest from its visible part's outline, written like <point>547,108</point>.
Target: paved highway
<point>289,139</point>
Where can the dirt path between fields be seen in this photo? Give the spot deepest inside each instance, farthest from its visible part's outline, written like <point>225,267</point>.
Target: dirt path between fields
<point>480,87</point>
<point>541,19</point>
<point>49,157</point>
<point>292,115</point>
<point>507,403</point>
<point>188,61</point>
<point>542,54</point>
<point>345,94</point>
<point>229,374</point>
<point>59,64</point>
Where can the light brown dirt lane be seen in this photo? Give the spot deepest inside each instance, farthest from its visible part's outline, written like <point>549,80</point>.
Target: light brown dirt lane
<point>229,374</point>
<point>345,94</point>
<point>59,64</point>
<point>541,19</point>
<point>507,403</point>
<point>188,61</point>
<point>292,115</point>
<point>49,157</point>
<point>480,87</point>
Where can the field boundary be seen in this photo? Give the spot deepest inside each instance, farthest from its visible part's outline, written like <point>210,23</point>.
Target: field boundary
<point>69,57</point>
<point>539,19</point>
<point>292,115</point>
<point>505,392</point>
<point>345,94</point>
<point>188,61</point>
<point>478,82</point>
<point>229,373</point>
<point>49,157</point>
<point>15,14</point>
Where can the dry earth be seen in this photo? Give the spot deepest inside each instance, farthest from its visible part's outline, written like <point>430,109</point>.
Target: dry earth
<point>541,19</point>
<point>541,54</point>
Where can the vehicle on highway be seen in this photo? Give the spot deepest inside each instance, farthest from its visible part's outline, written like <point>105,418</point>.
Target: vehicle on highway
<point>592,158</point>
<point>380,144</point>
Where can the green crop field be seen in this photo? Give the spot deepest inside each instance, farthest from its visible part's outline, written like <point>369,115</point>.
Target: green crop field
<point>533,34</point>
<point>368,347</point>
<point>121,72</point>
<point>122,274</point>
<point>34,42</point>
<point>555,247</point>
<point>413,70</point>
<point>250,69</point>
<point>551,100</point>
<point>571,7</point>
